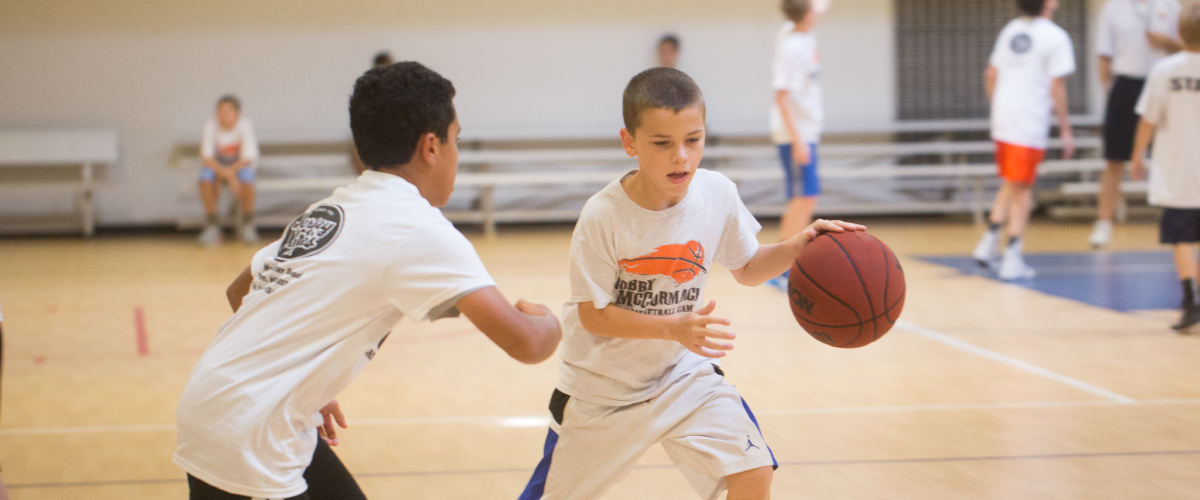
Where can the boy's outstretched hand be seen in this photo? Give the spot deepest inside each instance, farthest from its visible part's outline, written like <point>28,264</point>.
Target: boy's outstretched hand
<point>691,330</point>
<point>821,226</point>
<point>331,412</point>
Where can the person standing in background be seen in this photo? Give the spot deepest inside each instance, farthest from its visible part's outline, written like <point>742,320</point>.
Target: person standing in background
<point>1134,35</point>
<point>797,117</point>
<point>668,50</point>
<point>228,151</point>
<point>1026,83</point>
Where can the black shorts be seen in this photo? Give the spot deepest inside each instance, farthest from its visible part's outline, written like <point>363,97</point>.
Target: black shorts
<point>1120,121</point>
<point>327,479</point>
<point>1179,225</point>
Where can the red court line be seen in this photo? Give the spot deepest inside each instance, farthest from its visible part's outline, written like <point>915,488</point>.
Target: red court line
<point>139,323</point>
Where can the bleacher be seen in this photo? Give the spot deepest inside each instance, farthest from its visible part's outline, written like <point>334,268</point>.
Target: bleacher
<point>547,181</point>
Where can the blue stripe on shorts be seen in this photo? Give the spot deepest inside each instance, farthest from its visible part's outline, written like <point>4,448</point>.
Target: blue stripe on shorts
<point>537,483</point>
<point>802,183</point>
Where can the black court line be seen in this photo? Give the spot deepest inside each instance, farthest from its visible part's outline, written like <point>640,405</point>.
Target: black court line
<point>808,463</point>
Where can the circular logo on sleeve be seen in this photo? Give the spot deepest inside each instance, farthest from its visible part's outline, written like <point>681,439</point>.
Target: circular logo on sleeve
<point>311,233</point>
<point>1021,43</point>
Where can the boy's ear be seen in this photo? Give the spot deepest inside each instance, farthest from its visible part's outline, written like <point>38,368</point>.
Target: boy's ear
<point>628,143</point>
<point>427,147</point>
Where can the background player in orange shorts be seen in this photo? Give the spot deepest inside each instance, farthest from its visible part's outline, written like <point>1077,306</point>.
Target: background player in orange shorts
<point>1025,78</point>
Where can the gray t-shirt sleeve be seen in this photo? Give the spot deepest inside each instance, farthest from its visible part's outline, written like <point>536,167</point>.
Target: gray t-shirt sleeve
<point>739,241</point>
<point>593,271</point>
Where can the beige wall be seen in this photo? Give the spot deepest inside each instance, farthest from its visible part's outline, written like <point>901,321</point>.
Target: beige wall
<point>126,16</point>
<point>523,68</point>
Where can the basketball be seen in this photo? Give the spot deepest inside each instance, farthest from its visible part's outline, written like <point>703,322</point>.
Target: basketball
<point>846,289</point>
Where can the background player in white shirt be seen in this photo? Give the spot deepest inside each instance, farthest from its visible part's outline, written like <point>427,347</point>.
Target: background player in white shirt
<point>638,363</point>
<point>228,151</point>
<point>1025,78</point>
<point>1133,36</point>
<point>314,307</point>
<point>797,115</point>
<point>1170,110</point>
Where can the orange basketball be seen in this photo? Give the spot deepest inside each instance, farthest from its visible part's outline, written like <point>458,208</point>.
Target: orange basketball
<point>846,289</point>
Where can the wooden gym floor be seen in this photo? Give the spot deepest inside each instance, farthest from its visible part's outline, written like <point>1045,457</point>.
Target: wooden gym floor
<point>988,390</point>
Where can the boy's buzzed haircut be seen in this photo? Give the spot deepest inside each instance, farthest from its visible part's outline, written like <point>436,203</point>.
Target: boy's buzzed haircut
<point>393,106</point>
<point>659,88</point>
<point>670,39</point>
<point>231,100</point>
<point>1031,7</point>
<point>795,10</point>
<point>1189,25</point>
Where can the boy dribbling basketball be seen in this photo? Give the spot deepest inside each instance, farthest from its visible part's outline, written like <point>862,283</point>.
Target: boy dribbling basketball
<point>257,416</point>
<point>1025,78</point>
<point>1170,111</point>
<point>638,362</point>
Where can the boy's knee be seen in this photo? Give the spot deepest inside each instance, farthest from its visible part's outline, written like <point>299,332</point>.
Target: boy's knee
<point>754,484</point>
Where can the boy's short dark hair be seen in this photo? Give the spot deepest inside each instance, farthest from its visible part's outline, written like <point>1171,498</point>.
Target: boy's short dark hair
<point>231,100</point>
<point>670,39</point>
<point>795,10</point>
<point>1189,25</point>
<point>393,106</point>
<point>659,88</point>
<point>1031,7</point>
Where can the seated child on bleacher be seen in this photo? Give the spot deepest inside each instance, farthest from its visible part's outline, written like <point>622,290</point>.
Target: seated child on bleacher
<point>228,151</point>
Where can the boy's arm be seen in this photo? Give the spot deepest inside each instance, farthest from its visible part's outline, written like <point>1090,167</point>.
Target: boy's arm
<point>238,289</point>
<point>799,149</point>
<point>1141,142</point>
<point>1163,42</point>
<point>1105,69</point>
<point>690,329</point>
<point>1058,90</point>
<point>772,260</point>
<point>989,81</point>
<point>528,332</point>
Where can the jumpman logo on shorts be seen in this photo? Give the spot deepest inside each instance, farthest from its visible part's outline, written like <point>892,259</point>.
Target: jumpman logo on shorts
<point>749,443</point>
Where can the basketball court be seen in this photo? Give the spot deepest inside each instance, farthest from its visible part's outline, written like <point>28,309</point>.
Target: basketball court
<point>986,390</point>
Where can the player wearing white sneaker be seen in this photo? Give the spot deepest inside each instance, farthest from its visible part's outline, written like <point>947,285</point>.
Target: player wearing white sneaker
<point>1025,79</point>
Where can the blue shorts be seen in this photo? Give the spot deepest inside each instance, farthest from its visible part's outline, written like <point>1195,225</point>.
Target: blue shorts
<point>802,183</point>
<point>245,175</point>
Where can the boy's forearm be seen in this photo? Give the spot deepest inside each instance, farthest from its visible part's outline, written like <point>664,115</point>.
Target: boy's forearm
<point>238,289</point>
<point>783,100</point>
<point>612,321</point>
<point>240,164</point>
<point>1141,141</point>
<point>1059,92</point>
<point>989,81</point>
<point>1105,70</point>
<point>768,262</point>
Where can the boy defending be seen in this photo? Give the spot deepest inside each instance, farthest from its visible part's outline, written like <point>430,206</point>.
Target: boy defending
<point>1170,111</point>
<point>314,306</point>
<point>638,364</point>
<point>797,115</point>
<point>228,150</point>
<point>1025,78</point>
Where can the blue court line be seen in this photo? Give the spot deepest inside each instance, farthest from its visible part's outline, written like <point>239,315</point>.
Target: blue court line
<point>803,463</point>
<point>1122,281</point>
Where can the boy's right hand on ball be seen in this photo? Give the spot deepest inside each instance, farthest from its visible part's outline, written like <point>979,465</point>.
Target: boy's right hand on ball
<point>691,329</point>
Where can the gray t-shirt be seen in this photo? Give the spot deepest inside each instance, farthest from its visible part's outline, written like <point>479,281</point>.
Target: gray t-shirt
<point>650,262</point>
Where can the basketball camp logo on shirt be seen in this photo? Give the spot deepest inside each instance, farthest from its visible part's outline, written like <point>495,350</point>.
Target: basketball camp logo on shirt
<point>1021,43</point>
<point>667,292</point>
<point>312,232</point>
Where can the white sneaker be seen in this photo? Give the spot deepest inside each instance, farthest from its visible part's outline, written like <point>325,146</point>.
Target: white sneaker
<point>249,234</point>
<point>1102,234</point>
<point>985,251</point>
<point>210,236</point>
<point>1013,267</point>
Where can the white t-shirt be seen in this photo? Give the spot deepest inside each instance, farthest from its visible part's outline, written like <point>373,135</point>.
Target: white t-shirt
<point>1122,33</point>
<point>650,262</point>
<point>1171,101</point>
<point>229,146</point>
<point>797,69</point>
<point>324,297</point>
<point>1029,54</point>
